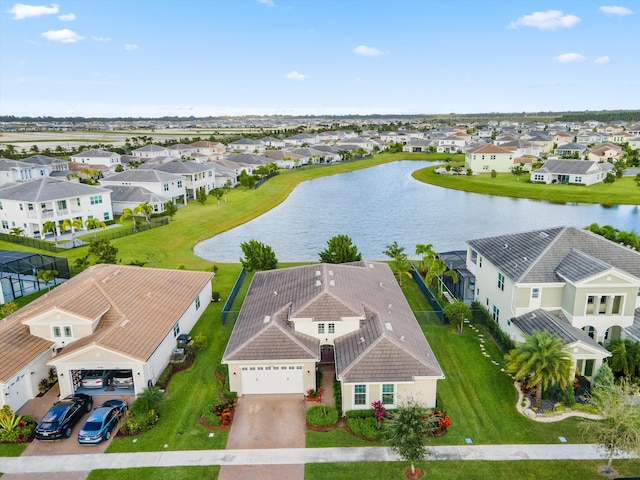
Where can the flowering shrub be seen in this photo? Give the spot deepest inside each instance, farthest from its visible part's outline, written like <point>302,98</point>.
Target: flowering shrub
<point>379,412</point>
<point>321,416</point>
<point>315,395</point>
<point>138,422</point>
<point>15,428</point>
<point>219,413</point>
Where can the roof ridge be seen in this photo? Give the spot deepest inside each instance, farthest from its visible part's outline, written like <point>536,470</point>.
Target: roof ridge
<point>543,252</point>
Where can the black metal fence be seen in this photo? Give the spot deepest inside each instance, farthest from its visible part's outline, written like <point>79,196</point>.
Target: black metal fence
<point>431,298</point>
<point>31,242</point>
<point>264,179</point>
<point>112,234</point>
<point>226,308</point>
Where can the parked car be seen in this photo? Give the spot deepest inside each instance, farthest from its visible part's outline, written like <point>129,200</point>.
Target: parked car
<point>101,422</point>
<point>122,379</point>
<point>59,421</point>
<point>96,378</point>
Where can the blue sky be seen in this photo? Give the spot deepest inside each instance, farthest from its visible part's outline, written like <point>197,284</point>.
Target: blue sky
<point>242,57</point>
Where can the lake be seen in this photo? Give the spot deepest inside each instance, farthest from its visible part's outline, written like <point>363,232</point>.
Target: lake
<point>379,205</point>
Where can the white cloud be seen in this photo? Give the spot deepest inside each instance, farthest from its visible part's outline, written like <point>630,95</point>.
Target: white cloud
<point>295,75</point>
<point>549,20</point>
<point>64,36</point>
<point>100,39</point>
<point>367,51</point>
<point>602,60</point>
<point>67,17</point>
<point>268,3</point>
<point>20,10</point>
<point>569,58</point>
<point>615,10</point>
<point>130,46</point>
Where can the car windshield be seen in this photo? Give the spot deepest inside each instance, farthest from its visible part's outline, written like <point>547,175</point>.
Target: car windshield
<point>92,426</point>
<point>48,425</point>
<point>53,415</point>
<point>93,373</point>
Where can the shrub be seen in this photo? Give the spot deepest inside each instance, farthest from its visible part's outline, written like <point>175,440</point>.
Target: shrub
<point>222,370</point>
<point>138,422</point>
<point>366,426</point>
<point>322,415</point>
<point>359,414</point>
<point>337,395</point>
<point>164,377</point>
<point>567,396</point>
<point>482,316</point>
<point>200,342</point>
<point>15,428</point>
<point>148,400</point>
<point>215,296</point>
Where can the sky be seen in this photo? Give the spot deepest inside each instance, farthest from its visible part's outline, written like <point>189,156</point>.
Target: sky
<point>151,58</point>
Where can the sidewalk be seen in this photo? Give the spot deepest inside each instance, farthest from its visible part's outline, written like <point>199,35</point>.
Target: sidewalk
<point>288,456</point>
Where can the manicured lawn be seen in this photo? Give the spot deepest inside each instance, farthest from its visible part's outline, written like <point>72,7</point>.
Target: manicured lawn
<point>623,192</point>
<point>157,473</point>
<point>470,470</point>
<point>12,449</point>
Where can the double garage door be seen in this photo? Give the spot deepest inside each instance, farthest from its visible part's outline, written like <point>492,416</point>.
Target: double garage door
<point>272,379</point>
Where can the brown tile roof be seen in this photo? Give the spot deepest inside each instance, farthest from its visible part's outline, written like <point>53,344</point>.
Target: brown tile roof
<point>490,148</point>
<point>18,347</point>
<point>142,305</point>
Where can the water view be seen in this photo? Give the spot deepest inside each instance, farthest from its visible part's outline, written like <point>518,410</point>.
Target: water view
<point>379,205</point>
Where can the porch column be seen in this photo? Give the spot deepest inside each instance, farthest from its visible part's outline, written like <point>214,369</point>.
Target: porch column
<point>597,363</point>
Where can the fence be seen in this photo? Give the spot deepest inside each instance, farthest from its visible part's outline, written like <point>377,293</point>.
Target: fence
<point>31,242</point>
<point>112,234</point>
<point>264,179</point>
<point>226,309</point>
<point>431,298</point>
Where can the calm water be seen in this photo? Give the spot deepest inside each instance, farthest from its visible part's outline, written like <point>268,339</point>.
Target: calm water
<point>379,205</point>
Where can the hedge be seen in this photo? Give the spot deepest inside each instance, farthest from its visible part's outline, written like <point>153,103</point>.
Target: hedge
<point>322,416</point>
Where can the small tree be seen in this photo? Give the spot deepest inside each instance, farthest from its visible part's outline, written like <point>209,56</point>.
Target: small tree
<point>7,309</point>
<point>407,428</point>
<point>201,196</point>
<point>258,256</point>
<point>494,174</point>
<point>103,251</point>
<point>170,209</point>
<point>82,262</point>
<point>518,170</point>
<point>94,224</point>
<point>218,193</point>
<point>604,378</point>
<point>73,224</point>
<point>457,311</point>
<point>340,250</point>
<point>399,261</point>
<point>47,276</point>
<point>619,430</point>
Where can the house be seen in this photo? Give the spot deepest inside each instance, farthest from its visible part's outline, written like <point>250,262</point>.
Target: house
<point>12,171</point>
<point>272,142</point>
<point>283,158</point>
<point>108,317</point>
<point>131,196</point>
<point>97,157</point>
<point>582,172</point>
<point>302,139</point>
<point>605,152</point>
<point>417,146</point>
<point>30,205</point>
<point>180,150</point>
<point>570,150</point>
<point>564,280</point>
<point>150,151</point>
<point>562,137</point>
<point>354,316</point>
<point>196,175</point>
<point>47,165</point>
<point>211,149</point>
<point>246,145</point>
<point>489,157</point>
<point>166,185</point>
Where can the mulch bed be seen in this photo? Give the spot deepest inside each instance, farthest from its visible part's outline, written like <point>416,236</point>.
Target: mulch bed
<point>214,427</point>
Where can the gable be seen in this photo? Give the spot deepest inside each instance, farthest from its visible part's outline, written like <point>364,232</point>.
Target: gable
<point>326,307</point>
<point>91,355</point>
<point>611,278</point>
<point>273,343</point>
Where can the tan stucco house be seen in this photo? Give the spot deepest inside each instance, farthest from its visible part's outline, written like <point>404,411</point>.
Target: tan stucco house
<point>353,316</point>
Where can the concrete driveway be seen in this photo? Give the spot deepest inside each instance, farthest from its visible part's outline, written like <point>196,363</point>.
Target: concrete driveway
<point>267,421</point>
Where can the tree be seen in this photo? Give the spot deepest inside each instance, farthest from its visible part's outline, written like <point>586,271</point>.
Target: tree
<point>47,276</point>
<point>345,155</point>
<point>437,268</point>
<point>218,193</point>
<point>94,224</point>
<point>170,208</point>
<point>399,261</point>
<point>246,180</point>
<point>618,432</point>
<point>457,311</point>
<point>201,196</point>
<point>7,308</point>
<point>82,262</point>
<point>604,377</point>
<point>427,254</point>
<point>51,225</point>
<point>518,170</point>
<point>610,178</point>
<point>407,428</point>
<point>144,210</point>
<point>16,232</point>
<point>103,251</point>
<point>494,174</point>
<point>542,359</point>
<point>74,224</point>
<point>340,250</point>
<point>619,168</point>
<point>258,256</point>
<point>625,356</point>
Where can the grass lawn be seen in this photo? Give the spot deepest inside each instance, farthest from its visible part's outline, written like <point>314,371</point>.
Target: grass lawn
<point>470,469</point>
<point>12,449</point>
<point>157,473</point>
<point>623,192</point>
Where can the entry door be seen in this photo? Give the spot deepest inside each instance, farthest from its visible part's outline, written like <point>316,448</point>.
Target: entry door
<point>272,379</point>
<point>326,354</point>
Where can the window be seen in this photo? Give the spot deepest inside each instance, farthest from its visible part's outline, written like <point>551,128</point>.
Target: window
<point>535,292</point>
<point>165,187</point>
<point>321,328</point>
<point>30,206</point>
<point>95,200</point>
<point>0,205</point>
<point>332,328</point>
<point>480,262</point>
<point>67,331</point>
<point>180,184</point>
<point>388,394</point>
<point>56,332</point>
<point>359,394</point>
<point>106,216</point>
<point>496,313</point>
<point>176,330</point>
<point>197,302</point>
<point>578,179</point>
<point>538,177</point>
<point>21,207</point>
<point>5,224</point>
<point>639,291</point>
<point>501,281</point>
<point>62,204</point>
<point>78,202</point>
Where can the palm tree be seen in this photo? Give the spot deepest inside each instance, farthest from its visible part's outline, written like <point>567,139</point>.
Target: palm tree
<point>399,261</point>
<point>94,224</point>
<point>543,360</point>
<point>16,232</point>
<point>126,213</point>
<point>427,255</point>
<point>438,268</point>
<point>145,210</point>
<point>73,224</point>
<point>47,276</point>
<point>624,357</point>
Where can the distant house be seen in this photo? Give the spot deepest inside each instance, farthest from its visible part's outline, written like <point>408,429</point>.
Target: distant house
<point>212,149</point>
<point>97,157</point>
<point>569,150</point>
<point>246,145</point>
<point>605,152</point>
<point>582,172</point>
<point>489,157</point>
<point>12,171</point>
<point>354,316</point>
<point>150,151</point>
<point>284,158</point>
<point>47,165</point>
<point>272,142</point>
<point>165,185</point>
<point>416,145</point>
<point>196,175</point>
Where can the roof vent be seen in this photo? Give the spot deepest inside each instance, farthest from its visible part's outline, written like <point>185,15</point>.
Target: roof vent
<point>371,265</point>
<point>506,245</point>
<point>361,340</point>
<point>317,273</point>
<point>332,283</point>
<point>267,318</point>
<point>389,306</point>
<point>125,322</point>
<point>275,292</point>
<point>544,234</point>
<point>524,259</point>
<point>402,339</point>
<point>389,326</point>
<point>318,283</point>
<point>381,284</point>
<point>331,273</point>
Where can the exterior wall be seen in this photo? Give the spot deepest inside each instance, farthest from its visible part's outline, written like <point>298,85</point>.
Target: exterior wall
<point>110,161</point>
<point>118,207</point>
<point>422,390</point>
<point>484,162</point>
<point>17,395</point>
<point>343,326</point>
<point>235,374</point>
<point>175,188</point>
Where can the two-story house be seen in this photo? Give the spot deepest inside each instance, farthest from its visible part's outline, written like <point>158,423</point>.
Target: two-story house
<point>353,316</point>
<point>489,157</point>
<point>97,156</point>
<point>12,171</point>
<point>246,145</point>
<point>48,165</point>
<point>567,281</point>
<point>150,151</point>
<point>196,175</point>
<point>166,185</point>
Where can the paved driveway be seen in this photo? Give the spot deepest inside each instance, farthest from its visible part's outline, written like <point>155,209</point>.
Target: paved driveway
<point>267,421</point>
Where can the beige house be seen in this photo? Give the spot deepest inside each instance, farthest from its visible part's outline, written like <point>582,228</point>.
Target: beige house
<point>489,157</point>
<point>353,316</point>
<point>109,317</point>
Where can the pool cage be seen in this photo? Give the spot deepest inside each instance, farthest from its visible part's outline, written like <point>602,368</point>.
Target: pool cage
<point>18,272</point>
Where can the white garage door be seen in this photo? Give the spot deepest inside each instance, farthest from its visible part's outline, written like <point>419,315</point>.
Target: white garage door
<point>18,392</point>
<point>272,379</point>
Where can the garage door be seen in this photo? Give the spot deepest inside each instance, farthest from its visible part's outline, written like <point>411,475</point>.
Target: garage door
<point>272,379</point>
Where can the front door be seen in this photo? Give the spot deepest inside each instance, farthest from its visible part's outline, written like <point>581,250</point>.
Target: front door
<point>326,354</point>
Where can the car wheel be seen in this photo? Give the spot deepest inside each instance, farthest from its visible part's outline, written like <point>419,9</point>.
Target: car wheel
<point>89,405</point>
<point>107,435</point>
<point>67,432</point>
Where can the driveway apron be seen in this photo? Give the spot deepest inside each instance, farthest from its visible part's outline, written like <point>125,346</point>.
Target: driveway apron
<point>267,421</point>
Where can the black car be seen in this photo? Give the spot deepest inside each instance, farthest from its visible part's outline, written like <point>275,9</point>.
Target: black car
<point>59,421</point>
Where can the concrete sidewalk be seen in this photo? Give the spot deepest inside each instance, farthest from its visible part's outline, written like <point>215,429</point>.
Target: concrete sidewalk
<point>288,456</point>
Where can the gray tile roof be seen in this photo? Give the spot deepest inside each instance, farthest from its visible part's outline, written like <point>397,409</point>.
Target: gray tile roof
<point>577,266</point>
<point>7,165</point>
<point>535,256</point>
<point>575,167</point>
<point>42,160</point>
<point>143,176</point>
<point>249,159</point>
<point>634,329</point>
<point>149,148</point>
<point>94,152</point>
<point>125,193</point>
<point>178,167</point>
<point>48,188</point>
<point>555,323</point>
<point>388,346</point>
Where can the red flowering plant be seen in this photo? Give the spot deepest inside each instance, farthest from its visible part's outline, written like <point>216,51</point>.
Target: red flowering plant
<point>379,412</point>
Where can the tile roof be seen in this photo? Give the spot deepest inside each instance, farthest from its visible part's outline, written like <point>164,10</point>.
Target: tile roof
<point>248,159</point>
<point>134,194</point>
<point>94,152</point>
<point>574,167</point>
<point>7,165</point>
<point>535,256</point>
<point>142,176</point>
<point>142,304</point>
<point>490,148</point>
<point>179,167</point>
<point>42,160</point>
<point>47,189</point>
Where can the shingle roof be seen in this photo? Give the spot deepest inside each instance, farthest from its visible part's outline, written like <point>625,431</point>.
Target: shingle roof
<point>8,165</point>
<point>142,306</point>
<point>150,148</point>
<point>573,167</point>
<point>42,160</point>
<point>94,152</point>
<point>535,256</point>
<point>392,347</point>
<point>248,159</point>
<point>48,188</point>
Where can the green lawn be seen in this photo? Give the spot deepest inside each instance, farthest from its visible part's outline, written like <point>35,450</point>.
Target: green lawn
<point>157,473</point>
<point>623,192</point>
<point>12,449</point>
